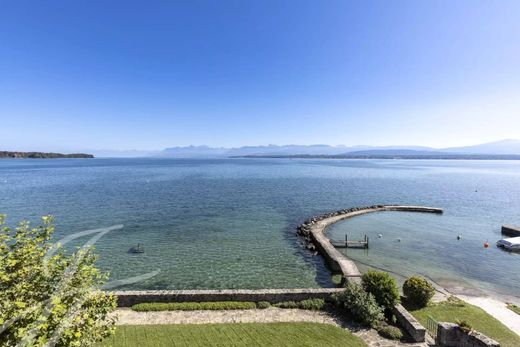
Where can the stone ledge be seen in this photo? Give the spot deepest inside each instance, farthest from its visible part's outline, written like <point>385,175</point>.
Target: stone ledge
<point>409,323</point>
<point>451,335</point>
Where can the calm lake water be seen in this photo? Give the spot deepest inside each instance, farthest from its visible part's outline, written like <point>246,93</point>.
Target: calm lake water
<point>231,223</point>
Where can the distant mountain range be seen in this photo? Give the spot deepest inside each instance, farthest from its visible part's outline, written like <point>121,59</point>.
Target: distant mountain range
<point>505,149</point>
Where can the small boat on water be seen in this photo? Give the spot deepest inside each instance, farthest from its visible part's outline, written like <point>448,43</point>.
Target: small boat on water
<point>136,249</point>
<point>510,244</point>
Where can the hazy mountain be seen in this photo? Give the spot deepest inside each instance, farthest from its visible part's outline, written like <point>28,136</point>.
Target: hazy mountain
<point>497,147</point>
<point>211,152</point>
<point>194,152</point>
<point>505,147</point>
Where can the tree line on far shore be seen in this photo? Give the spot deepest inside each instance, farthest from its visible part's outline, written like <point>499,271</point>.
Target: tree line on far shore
<point>42,155</point>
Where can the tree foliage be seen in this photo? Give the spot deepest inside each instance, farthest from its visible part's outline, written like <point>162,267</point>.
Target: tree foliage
<point>383,287</point>
<point>362,305</point>
<point>49,298</point>
<point>418,291</point>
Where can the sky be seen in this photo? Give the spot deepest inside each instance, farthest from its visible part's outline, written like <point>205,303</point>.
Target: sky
<point>147,75</point>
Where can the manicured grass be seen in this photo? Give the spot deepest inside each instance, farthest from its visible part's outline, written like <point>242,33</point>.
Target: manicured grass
<point>514,308</point>
<point>455,311</point>
<point>192,306</point>
<point>237,335</point>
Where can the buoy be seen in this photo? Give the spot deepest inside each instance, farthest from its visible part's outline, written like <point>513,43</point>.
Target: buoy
<point>459,237</point>
<point>379,235</point>
<point>399,240</point>
<point>486,244</point>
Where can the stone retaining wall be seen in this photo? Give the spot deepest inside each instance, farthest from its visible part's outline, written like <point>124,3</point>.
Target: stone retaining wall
<point>409,323</point>
<point>129,298</point>
<point>451,335</point>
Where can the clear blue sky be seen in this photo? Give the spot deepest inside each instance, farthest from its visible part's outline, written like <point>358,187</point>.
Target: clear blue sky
<point>153,74</point>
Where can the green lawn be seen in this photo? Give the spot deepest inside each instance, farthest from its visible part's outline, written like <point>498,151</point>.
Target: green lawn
<point>237,335</point>
<point>454,310</point>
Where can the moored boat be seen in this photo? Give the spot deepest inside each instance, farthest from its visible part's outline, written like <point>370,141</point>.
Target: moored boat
<point>510,244</point>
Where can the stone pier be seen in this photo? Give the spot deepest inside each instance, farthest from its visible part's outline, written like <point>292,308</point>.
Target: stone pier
<point>313,230</point>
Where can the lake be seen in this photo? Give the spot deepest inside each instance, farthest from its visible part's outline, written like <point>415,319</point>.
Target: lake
<point>230,223</point>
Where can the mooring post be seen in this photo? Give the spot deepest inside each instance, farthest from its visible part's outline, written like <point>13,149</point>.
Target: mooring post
<point>346,240</point>
<point>367,241</point>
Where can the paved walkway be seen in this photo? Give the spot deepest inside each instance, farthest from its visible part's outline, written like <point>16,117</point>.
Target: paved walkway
<point>271,315</point>
<point>497,309</point>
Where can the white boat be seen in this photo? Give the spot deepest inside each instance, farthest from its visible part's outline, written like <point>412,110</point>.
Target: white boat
<point>510,244</point>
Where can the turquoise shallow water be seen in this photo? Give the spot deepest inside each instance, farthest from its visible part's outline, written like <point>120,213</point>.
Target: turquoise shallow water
<point>231,223</point>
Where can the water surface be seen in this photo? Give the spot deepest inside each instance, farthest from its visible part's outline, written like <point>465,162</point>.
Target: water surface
<point>230,223</point>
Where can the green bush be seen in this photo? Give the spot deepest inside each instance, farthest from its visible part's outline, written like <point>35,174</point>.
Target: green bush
<point>308,304</point>
<point>418,291</point>
<point>382,286</point>
<point>362,305</point>
<point>192,306</point>
<point>390,332</point>
<point>263,305</point>
<point>286,304</point>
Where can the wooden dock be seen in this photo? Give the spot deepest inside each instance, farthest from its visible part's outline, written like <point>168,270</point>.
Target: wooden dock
<point>510,230</point>
<point>351,243</point>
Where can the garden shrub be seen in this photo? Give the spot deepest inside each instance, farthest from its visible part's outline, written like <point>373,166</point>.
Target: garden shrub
<point>390,332</point>
<point>286,304</point>
<point>192,306</point>
<point>418,291</point>
<point>362,305</point>
<point>263,305</point>
<point>312,304</point>
<point>308,304</point>
<point>383,287</point>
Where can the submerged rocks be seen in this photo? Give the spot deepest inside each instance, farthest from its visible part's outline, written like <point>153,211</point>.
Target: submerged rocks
<point>311,247</point>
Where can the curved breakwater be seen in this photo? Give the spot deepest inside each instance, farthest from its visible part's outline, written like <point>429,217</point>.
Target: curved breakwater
<point>313,231</point>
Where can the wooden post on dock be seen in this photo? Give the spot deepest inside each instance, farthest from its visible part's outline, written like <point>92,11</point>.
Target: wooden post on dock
<point>346,240</point>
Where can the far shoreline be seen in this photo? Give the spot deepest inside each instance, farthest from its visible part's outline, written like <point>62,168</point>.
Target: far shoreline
<point>43,155</point>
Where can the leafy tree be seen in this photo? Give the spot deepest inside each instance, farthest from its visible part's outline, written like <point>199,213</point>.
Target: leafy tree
<point>49,298</point>
<point>382,286</point>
